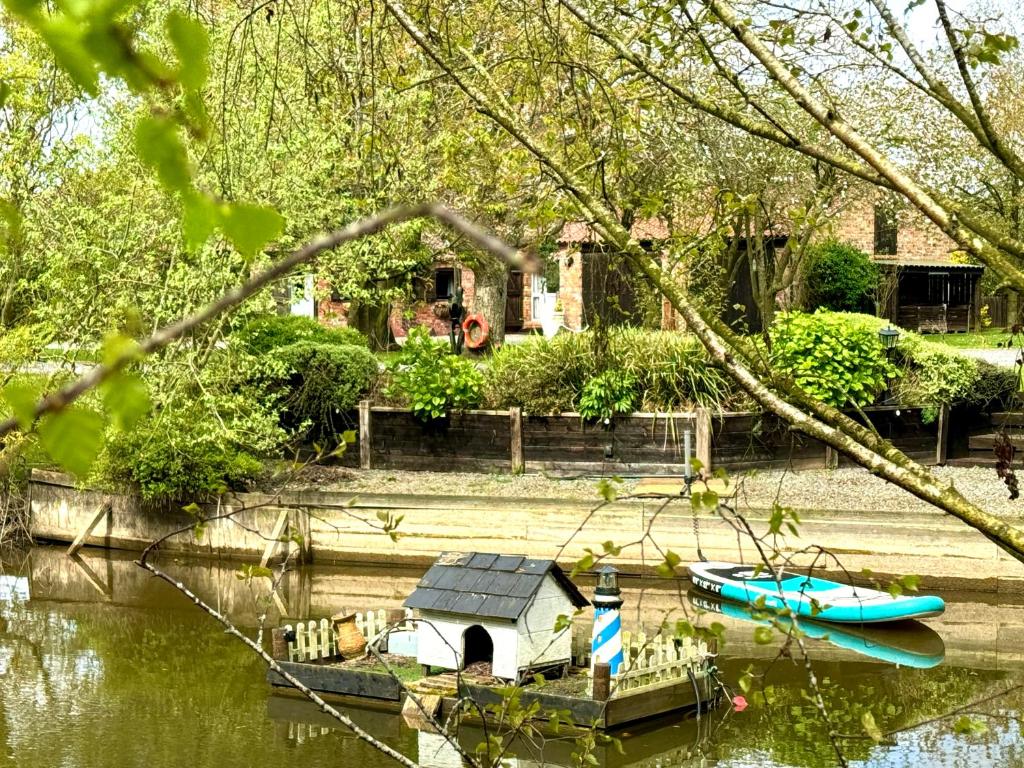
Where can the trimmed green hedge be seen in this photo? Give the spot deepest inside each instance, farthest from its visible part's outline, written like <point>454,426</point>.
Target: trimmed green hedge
<point>320,383</point>
<point>265,334</point>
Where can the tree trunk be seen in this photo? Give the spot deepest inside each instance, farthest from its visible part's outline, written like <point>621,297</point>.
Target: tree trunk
<point>490,299</point>
<point>372,321</point>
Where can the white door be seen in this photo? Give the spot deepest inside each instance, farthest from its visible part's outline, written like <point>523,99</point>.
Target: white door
<point>543,302</point>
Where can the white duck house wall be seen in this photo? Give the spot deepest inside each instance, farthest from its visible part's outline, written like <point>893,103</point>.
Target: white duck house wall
<point>500,609</point>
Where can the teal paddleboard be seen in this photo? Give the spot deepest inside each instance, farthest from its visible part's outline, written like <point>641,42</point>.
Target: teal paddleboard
<point>809,596</point>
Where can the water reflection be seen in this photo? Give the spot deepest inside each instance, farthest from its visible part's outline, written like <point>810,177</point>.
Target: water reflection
<point>104,666</point>
<point>905,643</point>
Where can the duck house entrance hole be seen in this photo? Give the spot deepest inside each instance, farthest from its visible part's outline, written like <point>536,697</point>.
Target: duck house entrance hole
<point>476,646</point>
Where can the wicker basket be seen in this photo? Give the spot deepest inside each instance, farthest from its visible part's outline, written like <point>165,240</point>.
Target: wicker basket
<point>347,637</point>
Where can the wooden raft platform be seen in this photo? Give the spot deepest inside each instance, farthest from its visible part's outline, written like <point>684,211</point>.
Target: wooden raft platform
<point>661,674</point>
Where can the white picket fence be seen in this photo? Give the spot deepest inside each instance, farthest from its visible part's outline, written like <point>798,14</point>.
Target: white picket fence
<point>315,639</point>
<point>658,661</point>
<point>649,661</point>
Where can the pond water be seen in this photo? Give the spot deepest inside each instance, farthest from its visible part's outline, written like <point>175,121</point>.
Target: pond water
<point>101,665</point>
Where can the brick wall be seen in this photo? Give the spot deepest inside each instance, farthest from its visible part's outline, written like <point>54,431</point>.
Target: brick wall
<point>570,285</point>
<point>404,317</point>
<point>917,239</point>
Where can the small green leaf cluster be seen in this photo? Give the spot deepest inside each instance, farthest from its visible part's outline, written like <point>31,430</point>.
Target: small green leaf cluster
<point>840,277</point>
<point>838,362</point>
<point>431,380</point>
<point>606,395</point>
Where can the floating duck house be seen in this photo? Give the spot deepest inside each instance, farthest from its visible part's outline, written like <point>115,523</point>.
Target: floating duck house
<point>500,609</point>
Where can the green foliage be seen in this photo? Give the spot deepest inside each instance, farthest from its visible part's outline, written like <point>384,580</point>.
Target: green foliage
<point>180,454</point>
<point>432,380</point>
<point>266,333</point>
<point>840,278</point>
<point>72,437</point>
<point>831,358</point>
<point>935,374</point>
<point>669,371</point>
<point>321,382</point>
<point>607,394</point>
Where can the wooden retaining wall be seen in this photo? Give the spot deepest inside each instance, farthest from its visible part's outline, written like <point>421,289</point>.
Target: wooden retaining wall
<point>340,528</point>
<point>647,443</point>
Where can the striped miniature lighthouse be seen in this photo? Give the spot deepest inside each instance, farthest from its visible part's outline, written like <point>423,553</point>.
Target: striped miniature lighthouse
<point>606,645</point>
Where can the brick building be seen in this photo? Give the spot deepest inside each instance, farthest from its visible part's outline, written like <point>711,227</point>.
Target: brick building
<point>926,284</point>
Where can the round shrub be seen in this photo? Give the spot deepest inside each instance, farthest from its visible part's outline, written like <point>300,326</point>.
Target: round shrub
<point>322,382</point>
<point>841,278</point>
<point>265,334</point>
<point>831,358</point>
<point>177,455</point>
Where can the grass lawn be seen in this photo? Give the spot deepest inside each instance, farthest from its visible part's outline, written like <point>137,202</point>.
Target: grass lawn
<point>991,338</point>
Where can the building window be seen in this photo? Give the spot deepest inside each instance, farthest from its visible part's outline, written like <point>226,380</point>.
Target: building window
<point>885,231</point>
<point>444,283</point>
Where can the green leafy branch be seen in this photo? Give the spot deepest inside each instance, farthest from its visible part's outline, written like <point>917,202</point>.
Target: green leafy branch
<point>75,437</point>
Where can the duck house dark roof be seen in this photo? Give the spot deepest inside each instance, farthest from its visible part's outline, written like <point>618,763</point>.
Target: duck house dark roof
<point>487,585</point>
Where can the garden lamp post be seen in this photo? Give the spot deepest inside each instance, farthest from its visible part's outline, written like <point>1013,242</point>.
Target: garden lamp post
<point>888,336</point>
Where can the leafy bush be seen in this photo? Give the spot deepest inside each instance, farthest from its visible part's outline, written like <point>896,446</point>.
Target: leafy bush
<point>607,394</point>
<point>670,371</point>
<point>840,278</point>
<point>934,374</point>
<point>321,382</point>
<point>432,380</point>
<point>541,375</point>
<point>833,359</point>
<point>177,455</point>
<point>265,334</point>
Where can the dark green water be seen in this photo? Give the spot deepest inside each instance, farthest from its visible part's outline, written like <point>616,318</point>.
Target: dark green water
<point>101,665</point>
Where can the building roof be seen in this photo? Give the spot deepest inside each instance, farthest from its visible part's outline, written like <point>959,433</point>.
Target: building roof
<point>931,264</point>
<point>642,229</point>
<point>487,585</point>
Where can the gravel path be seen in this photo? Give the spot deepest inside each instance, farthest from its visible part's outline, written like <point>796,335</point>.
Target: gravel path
<point>841,489</point>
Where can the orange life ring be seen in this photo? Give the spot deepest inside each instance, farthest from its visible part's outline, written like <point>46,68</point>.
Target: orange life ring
<point>475,329</point>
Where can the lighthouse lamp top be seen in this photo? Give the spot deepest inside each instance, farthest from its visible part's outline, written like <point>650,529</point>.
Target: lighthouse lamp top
<point>608,580</point>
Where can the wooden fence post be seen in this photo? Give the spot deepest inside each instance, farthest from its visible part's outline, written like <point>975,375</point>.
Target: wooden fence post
<point>831,457</point>
<point>703,418</point>
<point>602,681</point>
<point>278,644</point>
<point>365,434</point>
<point>515,419</point>
<point>942,438</point>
